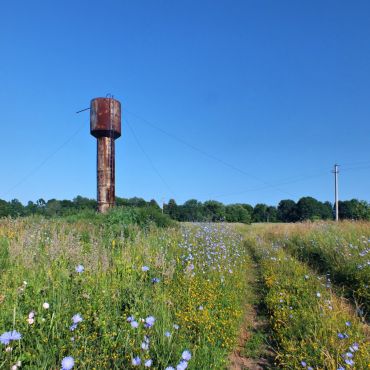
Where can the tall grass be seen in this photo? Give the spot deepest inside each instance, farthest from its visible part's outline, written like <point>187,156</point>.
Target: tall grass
<point>341,250</point>
<point>313,328</point>
<point>112,295</point>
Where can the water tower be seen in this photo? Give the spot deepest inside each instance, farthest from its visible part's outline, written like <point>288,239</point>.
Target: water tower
<point>105,125</point>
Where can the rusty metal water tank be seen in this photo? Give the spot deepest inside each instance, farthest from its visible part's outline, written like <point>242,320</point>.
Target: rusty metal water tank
<point>105,117</point>
<point>105,125</point>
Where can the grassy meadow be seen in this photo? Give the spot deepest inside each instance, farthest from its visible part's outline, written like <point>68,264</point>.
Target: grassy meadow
<point>113,293</point>
<point>82,295</point>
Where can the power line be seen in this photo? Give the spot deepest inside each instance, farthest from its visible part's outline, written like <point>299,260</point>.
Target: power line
<point>147,156</point>
<point>203,152</point>
<point>44,161</point>
<point>265,187</point>
<point>355,168</point>
<point>360,163</point>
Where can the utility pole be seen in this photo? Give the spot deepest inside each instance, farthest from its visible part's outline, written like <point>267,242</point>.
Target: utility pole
<point>162,201</point>
<point>336,171</point>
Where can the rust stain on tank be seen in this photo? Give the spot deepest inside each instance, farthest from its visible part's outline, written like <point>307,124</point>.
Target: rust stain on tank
<point>105,125</point>
<point>105,117</point>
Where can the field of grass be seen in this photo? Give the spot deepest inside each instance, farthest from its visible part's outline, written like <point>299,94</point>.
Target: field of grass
<point>342,252</point>
<point>104,293</point>
<point>97,298</point>
<point>312,327</point>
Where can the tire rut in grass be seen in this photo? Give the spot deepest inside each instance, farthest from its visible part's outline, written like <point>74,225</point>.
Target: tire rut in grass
<point>253,351</point>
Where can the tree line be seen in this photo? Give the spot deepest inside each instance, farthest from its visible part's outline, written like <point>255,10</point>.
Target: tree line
<point>307,208</point>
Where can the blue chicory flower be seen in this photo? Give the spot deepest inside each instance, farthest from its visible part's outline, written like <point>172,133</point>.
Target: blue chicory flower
<point>80,269</point>
<point>136,361</point>
<point>148,363</point>
<point>149,321</point>
<point>182,365</point>
<point>77,318</point>
<point>8,336</point>
<point>68,363</point>
<point>349,362</point>
<point>186,355</point>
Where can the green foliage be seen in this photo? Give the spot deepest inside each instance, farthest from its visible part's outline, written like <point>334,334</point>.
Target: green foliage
<point>237,213</point>
<point>287,211</point>
<point>354,210</point>
<point>42,257</point>
<point>307,208</point>
<point>339,250</point>
<point>310,323</point>
<point>255,345</point>
<point>264,213</point>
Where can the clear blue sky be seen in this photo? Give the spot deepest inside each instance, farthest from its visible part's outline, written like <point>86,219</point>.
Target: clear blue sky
<point>244,101</point>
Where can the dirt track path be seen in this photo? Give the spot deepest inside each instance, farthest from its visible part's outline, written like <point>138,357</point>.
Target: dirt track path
<point>253,351</point>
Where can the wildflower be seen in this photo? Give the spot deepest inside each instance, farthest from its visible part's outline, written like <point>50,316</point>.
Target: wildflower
<point>31,315</point>
<point>176,327</point>
<point>68,363</point>
<point>318,294</point>
<point>148,363</point>
<point>156,280</point>
<point>80,269</point>
<point>349,362</point>
<point>30,320</point>
<point>136,361</point>
<point>340,336</point>
<point>349,354</point>
<point>8,336</point>
<point>348,323</point>
<point>77,318</point>
<point>355,346</point>
<point>186,355</point>
<point>8,349</point>
<point>167,334</point>
<point>182,365</point>
<point>303,364</point>
<point>14,367</point>
<point>169,368</point>
<point>149,321</point>
<point>45,305</point>
<point>341,368</point>
<point>73,327</point>
<point>145,268</point>
<point>14,335</point>
<point>130,318</point>
<point>134,324</point>
<point>144,346</point>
